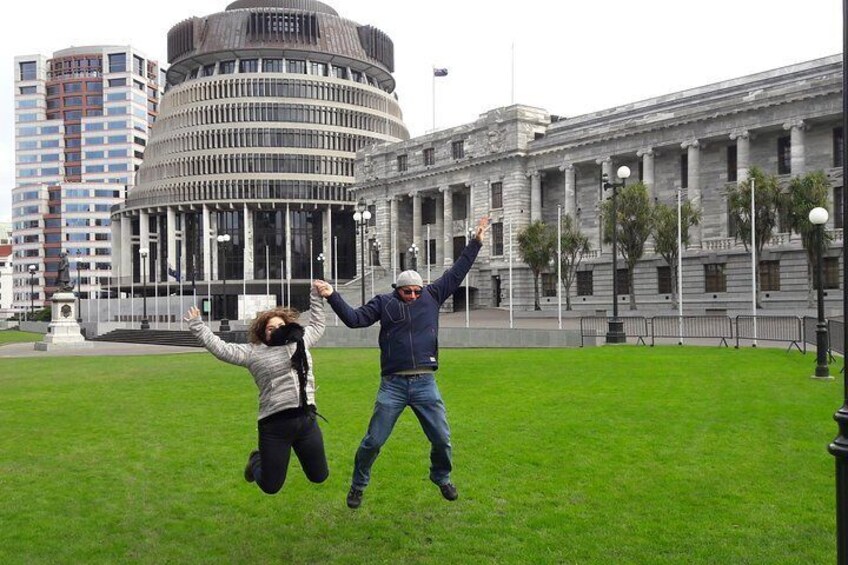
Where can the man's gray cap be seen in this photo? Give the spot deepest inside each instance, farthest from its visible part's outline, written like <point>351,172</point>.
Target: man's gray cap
<point>408,278</point>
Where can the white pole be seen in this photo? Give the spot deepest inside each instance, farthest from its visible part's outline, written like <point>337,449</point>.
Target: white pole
<point>120,300</point>
<point>97,304</point>
<point>156,289</point>
<point>679,269</point>
<point>512,79</point>
<point>510,275</point>
<point>371,265</point>
<point>267,273</point>
<point>109,298</point>
<point>433,78</point>
<point>336,267</point>
<point>311,259</point>
<point>182,308</point>
<point>754,261</point>
<point>394,248</point>
<point>427,254</point>
<point>288,256</point>
<point>132,292</point>
<point>168,299</point>
<point>282,283</point>
<point>559,265</point>
<point>467,281</point>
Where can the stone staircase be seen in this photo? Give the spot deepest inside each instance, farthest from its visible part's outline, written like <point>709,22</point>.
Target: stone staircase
<point>351,290</point>
<point>151,337</point>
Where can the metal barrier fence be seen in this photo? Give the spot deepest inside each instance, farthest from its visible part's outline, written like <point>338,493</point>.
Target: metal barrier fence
<point>594,326</point>
<point>772,328</point>
<point>692,327</point>
<point>836,336</point>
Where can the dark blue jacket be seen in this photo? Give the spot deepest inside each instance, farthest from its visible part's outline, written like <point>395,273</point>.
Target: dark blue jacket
<point>409,332</point>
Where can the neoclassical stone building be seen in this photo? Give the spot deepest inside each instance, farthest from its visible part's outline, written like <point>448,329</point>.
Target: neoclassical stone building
<point>266,104</point>
<point>519,164</point>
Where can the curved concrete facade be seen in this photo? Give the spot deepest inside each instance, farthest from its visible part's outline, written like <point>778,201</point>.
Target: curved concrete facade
<point>266,105</point>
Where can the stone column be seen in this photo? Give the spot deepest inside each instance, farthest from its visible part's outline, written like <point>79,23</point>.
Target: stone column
<point>416,222</point>
<point>439,234</point>
<point>126,247</point>
<point>171,236</point>
<point>743,154</point>
<point>693,153</point>
<point>796,131</point>
<point>393,235</point>
<point>247,267</point>
<point>569,207</point>
<point>535,196</point>
<point>144,243</point>
<point>205,241</point>
<point>447,235</point>
<point>647,156</point>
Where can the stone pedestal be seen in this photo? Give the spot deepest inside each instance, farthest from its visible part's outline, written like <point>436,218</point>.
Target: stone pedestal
<point>64,330</point>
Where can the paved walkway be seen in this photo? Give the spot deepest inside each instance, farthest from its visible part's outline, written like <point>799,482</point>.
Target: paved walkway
<point>98,348</point>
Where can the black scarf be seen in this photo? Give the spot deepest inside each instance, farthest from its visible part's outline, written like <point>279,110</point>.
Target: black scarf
<point>293,333</point>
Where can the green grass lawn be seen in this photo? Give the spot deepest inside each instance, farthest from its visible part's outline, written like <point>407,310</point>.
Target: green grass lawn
<point>15,336</point>
<point>601,455</point>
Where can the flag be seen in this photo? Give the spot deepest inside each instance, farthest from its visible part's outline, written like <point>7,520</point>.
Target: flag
<point>173,273</point>
<point>443,72</point>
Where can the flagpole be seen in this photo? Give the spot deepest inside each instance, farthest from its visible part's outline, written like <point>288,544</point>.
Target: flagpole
<point>512,80</point>
<point>433,78</point>
<point>510,275</point>
<point>754,261</point>
<point>467,280</point>
<point>109,298</point>
<point>336,267</point>
<point>282,283</point>
<point>267,273</point>
<point>168,299</point>
<point>428,254</point>
<point>120,304</point>
<point>156,288</point>
<point>559,265</point>
<point>132,293</point>
<point>182,308</point>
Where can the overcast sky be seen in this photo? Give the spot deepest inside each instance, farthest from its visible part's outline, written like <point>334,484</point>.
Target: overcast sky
<point>571,57</point>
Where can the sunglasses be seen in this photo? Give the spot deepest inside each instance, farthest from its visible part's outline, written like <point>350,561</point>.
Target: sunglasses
<point>410,292</point>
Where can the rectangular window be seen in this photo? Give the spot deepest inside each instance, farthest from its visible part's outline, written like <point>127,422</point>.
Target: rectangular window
<point>731,163</point>
<point>28,70</point>
<point>117,62</point>
<point>272,65</point>
<point>497,239</point>
<point>431,246</point>
<point>497,195</point>
<point>249,65</point>
<point>838,147</point>
<point>458,149</point>
<point>549,285</point>
<point>226,67</point>
<point>138,65</point>
<point>429,157</point>
<point>296,66</point>
<point>769,276</point>
<point>664,284</point>
<point>715,279</point>
<point>402,163</point>
<point>838,216</point>
<point>460,205</point>
<point>623,281</point>
<point>684,171</point>
<point>208,70</point>
<point>428,211</point>
<point>318,69</point>
<point>784,155</point>
<point>830,266</point>
<point>584,283</point>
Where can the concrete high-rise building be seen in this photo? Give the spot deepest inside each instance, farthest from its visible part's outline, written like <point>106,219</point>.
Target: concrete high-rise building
<point>266,104</point>
<point>5,281</point>
<point>82,121</point>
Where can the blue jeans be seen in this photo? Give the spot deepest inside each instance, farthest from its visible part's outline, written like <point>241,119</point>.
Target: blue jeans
<point>420,393</point>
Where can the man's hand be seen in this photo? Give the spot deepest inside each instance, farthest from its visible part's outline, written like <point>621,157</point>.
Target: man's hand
<point>323,288</point>
<point>192,313</point>
<point>483,226</point>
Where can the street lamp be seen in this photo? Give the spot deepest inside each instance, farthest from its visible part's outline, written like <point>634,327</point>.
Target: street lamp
<point>361,217</point>
<point>413,252</point>
<point>818,217</point>
<point>224,241</point>
<point>320,260</point>
<point>143,252</point>
<point>32,269</point>
<point>615,331</point>
<point>79,288</point>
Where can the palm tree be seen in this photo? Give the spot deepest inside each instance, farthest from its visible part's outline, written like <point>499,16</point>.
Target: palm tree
<point>634,221</point>
<point>537,247</point>
<point>805,193</point>
<point>665,235</point>
<point>574,246</point>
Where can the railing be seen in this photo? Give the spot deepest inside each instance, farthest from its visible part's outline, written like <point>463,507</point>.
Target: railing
<point>720,327</point>
<point>594,326</point>
<point>772,328</point>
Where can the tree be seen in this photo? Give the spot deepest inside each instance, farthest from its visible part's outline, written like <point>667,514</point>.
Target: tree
<point>665,235</point>
<point>537,247</point>
<point>574,246</point>
<point>634,221</point>
<point>769,204</point>
<point>805,193</point>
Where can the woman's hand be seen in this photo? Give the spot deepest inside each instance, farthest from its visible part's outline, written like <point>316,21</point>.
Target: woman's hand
<point>192,313</point>
<point>323,288</point>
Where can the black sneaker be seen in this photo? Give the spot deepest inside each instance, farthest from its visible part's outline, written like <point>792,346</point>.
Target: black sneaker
<point>449,491</point>
<point>354,497</point>
<point>248,469</point>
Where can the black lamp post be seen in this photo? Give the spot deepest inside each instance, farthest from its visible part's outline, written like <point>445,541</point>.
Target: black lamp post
<point>32,269</point>
<point>818,217</point>
<point>223,241</point>
<point>79,288</point>
<point>377,248</point>
<point>615,331</point>
<point>320,260</point>
<point>143,252</point>
<point>361,217</point>
<point>413,253</point>
<point>839,447</point>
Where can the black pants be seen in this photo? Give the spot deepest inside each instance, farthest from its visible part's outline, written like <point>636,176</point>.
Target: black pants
<point>280,433</point>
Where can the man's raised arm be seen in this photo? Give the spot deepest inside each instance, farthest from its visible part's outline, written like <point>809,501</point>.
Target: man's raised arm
<point>353,318</point>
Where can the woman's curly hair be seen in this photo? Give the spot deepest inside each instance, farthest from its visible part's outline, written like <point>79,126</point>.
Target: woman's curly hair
<point>257,328</point>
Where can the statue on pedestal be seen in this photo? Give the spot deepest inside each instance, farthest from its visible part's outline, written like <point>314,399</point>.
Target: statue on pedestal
<point>63,275</point>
